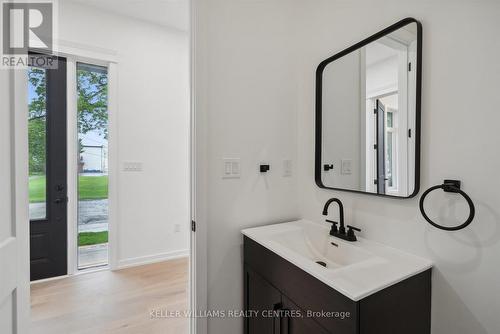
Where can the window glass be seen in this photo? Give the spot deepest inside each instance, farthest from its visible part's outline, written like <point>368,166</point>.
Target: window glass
<point>37,143</point>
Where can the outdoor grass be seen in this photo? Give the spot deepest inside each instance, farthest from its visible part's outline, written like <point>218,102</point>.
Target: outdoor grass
<point>89,188</point>
<point>37,189</point>
<point>92,187</point>
<point>92,238</point>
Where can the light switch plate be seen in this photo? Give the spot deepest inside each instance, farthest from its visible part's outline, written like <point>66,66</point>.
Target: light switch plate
<point>346,167</point>
<point>287,168</point>
<point>231,168</point>
<point>132,166</point>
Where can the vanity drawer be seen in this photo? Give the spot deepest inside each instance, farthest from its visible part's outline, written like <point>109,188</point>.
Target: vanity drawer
<point>306,292</point>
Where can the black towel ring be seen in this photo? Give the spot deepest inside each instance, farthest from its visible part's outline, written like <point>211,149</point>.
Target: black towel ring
<point>449,186</point>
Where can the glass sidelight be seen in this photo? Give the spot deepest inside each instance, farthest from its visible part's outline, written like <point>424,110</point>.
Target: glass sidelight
<point>92,123</point>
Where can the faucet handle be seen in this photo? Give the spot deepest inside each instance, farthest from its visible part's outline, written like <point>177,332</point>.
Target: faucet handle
<point>334,228</point>
<point>350,232</point>
<point>354,228</point>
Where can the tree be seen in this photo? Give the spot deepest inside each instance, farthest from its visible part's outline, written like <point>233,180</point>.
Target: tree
<point>92,107</point>
<point>37,121</point>
<point>92,101</point>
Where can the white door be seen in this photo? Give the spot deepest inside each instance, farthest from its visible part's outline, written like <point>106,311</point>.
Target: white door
<point>14,222</point>
<point>412,103</point>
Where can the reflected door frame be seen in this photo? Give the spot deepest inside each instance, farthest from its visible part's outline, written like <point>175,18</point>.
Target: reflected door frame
<point>401,166</point>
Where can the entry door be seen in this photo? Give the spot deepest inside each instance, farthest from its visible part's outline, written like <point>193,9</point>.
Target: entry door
<point>380,146</point>
<point>47,171</point>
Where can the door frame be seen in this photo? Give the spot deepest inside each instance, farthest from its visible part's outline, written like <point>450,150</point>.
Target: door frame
<point>20,194</point>
<point>199,177</point>
<point>95,56</point>
<point>197,158</point>
<point>88,54</point>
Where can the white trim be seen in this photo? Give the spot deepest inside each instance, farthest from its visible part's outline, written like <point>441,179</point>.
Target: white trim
<point>192,290</point>
<point>20,196</point>
<point>148,259</point>
<point>91,270</point>
<point>199,177</point>
<point>75,53</point>
<point>72,165</point>
<point>113,166</point>
<point>85,53</point>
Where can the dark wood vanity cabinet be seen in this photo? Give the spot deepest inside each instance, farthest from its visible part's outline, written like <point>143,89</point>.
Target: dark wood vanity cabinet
<point>290,301</point>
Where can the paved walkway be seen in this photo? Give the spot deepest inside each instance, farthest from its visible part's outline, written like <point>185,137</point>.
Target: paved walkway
<point>92,256</point>
<point>37,210</point>
<point>92,217</point>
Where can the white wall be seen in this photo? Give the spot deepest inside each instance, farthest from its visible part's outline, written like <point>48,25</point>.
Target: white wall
<point>460,140</point>
<point>153,126</point>
<point>246,98</point>
<point>256,65</point>
<point>6,162</point>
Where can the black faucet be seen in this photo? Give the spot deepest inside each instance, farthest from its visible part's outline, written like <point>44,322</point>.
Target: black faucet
<point>340,232</point>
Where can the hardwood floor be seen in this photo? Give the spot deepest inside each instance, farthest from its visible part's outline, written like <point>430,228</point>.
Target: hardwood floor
<point>113,302</point>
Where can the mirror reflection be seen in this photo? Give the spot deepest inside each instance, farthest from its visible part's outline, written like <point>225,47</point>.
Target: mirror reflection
<point>368,116</point>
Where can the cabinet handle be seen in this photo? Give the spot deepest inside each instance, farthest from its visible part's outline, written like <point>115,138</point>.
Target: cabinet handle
<point>285,321</point>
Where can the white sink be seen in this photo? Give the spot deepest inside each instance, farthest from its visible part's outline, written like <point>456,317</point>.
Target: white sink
<point>316,245</point>
<point>355,269</point>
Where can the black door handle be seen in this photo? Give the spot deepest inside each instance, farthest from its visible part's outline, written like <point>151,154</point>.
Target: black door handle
<point>60,200</point>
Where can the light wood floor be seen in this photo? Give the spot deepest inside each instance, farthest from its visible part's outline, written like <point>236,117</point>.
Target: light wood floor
<point>113,302</point>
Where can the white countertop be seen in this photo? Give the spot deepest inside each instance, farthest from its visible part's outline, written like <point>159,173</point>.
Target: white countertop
<point>355,269</point>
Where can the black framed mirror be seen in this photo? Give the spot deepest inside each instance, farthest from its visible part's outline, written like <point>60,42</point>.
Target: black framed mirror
<point>368,100</point>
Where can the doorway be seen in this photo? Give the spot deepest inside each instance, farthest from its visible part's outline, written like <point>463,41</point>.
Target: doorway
<point>149,218</point>
<point>47,170</point>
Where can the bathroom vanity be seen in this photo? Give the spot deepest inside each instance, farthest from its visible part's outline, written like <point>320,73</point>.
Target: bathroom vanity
<point>299,279</point>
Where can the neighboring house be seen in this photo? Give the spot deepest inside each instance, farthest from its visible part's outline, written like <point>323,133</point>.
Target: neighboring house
<point>93,159</point>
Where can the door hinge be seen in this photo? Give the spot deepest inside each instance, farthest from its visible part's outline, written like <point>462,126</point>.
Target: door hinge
<point>409,67</point>
<point>375,181</point>
<point>193,226</point>
<point>375,146</point>
<point>409,133</point>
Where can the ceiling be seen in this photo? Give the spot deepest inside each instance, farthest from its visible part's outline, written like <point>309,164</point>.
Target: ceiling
<point>377,52</point>
<point>169,13</point>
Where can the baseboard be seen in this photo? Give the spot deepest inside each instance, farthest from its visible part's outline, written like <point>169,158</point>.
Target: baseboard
<point>148,259</point>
